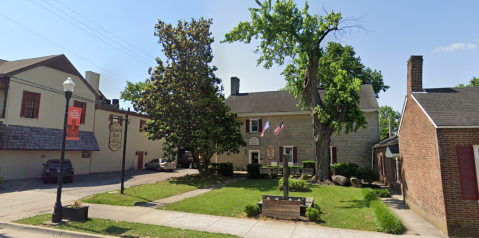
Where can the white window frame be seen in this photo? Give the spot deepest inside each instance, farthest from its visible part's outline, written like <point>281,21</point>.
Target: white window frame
<point>292,152</point>
<point>250,152</point>
<point>251,125</point>
<point>476,160</point>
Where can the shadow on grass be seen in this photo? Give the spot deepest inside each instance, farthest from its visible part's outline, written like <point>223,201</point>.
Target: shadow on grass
<point>354,204</point>
<point>198,181</point>
<point>256,184</point>
<point>81,226</point>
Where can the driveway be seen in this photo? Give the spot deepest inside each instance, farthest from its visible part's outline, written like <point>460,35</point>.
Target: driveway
<point>36,197</point>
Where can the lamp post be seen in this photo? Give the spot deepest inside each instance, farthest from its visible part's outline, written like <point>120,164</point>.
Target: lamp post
<point>68,87</point>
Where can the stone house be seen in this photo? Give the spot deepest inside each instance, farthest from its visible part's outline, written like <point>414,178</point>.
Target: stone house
<point>32,107</point>
<point>296,138</point>
<point>439,141</point>
<point>386,154</point>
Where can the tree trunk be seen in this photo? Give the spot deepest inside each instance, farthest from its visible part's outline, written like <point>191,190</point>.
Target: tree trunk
<point>202,168</point>
<point>322,141</point>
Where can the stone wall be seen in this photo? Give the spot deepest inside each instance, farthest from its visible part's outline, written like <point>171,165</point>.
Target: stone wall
<point>298,132</point>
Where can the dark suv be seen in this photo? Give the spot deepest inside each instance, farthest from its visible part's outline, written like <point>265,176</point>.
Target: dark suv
<point>52,167</point>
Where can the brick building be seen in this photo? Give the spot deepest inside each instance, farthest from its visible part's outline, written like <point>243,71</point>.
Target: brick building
<point>388,164</point>
<point>255,109</point>
<point>439,141</point>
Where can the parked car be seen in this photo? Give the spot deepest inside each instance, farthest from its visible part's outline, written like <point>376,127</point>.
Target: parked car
<point>186,160</point>
<point>52,167</point>
<point>160,164</point>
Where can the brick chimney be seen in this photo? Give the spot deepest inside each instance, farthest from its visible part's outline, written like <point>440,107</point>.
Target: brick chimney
<point>235,85</point>
<point>414,74</point>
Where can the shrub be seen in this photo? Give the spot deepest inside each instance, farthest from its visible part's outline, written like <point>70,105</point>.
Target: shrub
<point>225,169</point>
<point>312,214</point>
<point>387,221</point>
<point>384,193</point>
<point>253,171</point>
<point>313,178</point>
<point>304,177</point>
<point>316,206</point>
<point>346,169</point>
<point>274,176</point>
<point>295,185</point>
<point>251,209</point>
<point>367,174</point>
<point>212,170</point>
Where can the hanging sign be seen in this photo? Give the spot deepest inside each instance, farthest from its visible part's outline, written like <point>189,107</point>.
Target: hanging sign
<point>115,136</point>
<point>270,152</point>
<point>253,141</point>
<point>73,123</point>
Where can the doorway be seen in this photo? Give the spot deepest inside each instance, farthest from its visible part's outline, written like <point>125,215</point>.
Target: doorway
<point>140,159</point>
<point>254,157</point>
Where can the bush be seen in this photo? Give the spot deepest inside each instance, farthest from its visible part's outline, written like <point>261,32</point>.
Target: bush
<point>304,177</point>
<point>387,221</point>
<point>225,169</point>
<point>251,209</point>
<point>295,185</point>
<point>253,171</point>
<point>384,193</point>
<point>346,169</point>
<point>274,176</point>
<point>312,214</point>
<point>212,170</point>
<point>309,164</point>
<point>367,174</point>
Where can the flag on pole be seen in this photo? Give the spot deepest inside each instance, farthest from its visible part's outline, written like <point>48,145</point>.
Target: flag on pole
<point>278,129</point>
<point>265,127</point>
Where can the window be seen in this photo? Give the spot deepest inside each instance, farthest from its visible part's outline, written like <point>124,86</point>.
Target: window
<point>467,172</point>
<point>3,100</point>
<point>253,125</point>
<point>30,105</point>
<point>333,158</point>
<point>290,150</point>
<point>142,124</point>
<point>81,105</point>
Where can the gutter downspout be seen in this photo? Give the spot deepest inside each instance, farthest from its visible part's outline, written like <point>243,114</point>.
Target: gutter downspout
<point>372,158</point>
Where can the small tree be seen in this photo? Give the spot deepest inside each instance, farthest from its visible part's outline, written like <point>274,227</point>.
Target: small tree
<point>386,113</point>
<point>474,82</point>
<point>293,35</point>
<point>184,100</point>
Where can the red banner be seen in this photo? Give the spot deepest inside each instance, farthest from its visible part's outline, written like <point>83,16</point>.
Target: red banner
<point>73,123</point>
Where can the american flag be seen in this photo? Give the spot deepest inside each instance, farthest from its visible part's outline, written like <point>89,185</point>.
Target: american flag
<point>278,129</point>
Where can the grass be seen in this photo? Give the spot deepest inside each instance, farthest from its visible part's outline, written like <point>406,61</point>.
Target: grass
<point>387,221</point>
<point>119,228</point>
<point>150,192</point>
<point>341,207</point>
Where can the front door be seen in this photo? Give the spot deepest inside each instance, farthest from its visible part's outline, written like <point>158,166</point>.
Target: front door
<point>254,157</point>
<point>140,159</point>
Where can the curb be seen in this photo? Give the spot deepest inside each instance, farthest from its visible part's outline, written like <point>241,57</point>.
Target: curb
<point>49,231</point>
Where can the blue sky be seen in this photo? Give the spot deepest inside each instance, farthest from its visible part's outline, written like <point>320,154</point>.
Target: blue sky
<point>444,32</point>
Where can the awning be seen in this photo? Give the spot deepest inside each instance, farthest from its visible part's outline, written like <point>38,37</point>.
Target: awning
<point>392,151</point>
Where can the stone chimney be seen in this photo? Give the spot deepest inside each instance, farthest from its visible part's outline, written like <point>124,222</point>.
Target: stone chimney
<point>93,79</point>
<point>414,74</point>
<point>235,85</point>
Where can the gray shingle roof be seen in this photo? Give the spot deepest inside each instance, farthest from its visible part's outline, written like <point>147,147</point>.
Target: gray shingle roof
<point>283,101</point>
<point>11,66</point>
<point>451,106</point>
<point>389,141</point>
<point>37,138</point>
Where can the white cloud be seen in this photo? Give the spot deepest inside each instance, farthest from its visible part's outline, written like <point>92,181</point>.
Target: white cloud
<point>456,46</point>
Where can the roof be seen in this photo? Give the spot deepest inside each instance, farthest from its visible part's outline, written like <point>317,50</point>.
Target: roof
<point>451,106</point>
<point>392,151</point>
<point>389,141</point>
<point>37,138</point>
<point>58,62</point>
<point>284,101</point>
<point>131,113</point>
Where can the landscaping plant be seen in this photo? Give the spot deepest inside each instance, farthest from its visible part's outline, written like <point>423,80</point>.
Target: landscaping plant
<point>367,174</point>
<point>312,214</point>
<point>304,177</point>
<point>386,220</point>
<point>274,176</point>
<point>295,185</point>
<point>346,169</point>
<point>253,171</point>
<point>384,193</point>
<point>225,169</point>
<point>251,209</point>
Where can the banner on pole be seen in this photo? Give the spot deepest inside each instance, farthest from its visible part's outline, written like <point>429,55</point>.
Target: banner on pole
<point>73,123</point>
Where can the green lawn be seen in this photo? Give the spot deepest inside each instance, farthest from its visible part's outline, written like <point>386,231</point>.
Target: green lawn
<point>341,207</point>
<point>119,228</point>
<point>150,192</point>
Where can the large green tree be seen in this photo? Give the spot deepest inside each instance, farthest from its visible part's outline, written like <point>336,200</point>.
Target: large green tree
<point>133,91</point>
<point>185,100</point>
<point>474,82</point>
<point>294,36</point>
<point>386,114</point>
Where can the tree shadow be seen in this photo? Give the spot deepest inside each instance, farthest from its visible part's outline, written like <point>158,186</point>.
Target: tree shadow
<point>354,204</point>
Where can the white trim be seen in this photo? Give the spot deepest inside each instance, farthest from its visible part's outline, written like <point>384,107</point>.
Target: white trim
<point>435,126</point>
<point>251,125</point>
<point>402,114</point>
<point>251,159</point>
<point>476,158</point>
<point>291,113</point>
<point>458,127</point>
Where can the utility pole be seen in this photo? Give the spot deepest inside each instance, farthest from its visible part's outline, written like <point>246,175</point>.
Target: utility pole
<point>124,153</point>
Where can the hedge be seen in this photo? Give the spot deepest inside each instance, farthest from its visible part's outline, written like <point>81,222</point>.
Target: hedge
<point>386,220</point>
<point>253,171</point>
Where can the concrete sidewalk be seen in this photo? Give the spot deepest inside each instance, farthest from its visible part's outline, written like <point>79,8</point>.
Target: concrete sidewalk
<point>235,226</point>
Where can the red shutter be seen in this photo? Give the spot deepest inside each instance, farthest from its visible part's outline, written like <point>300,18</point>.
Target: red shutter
<point>335,157</point>
<point>280,154</point>
<point>260,125</point>
<point>247,126</point>
<point>467,172</point>
<point>295,154</point>
<point>24,103</point>
<point>141,125</point>
<point>37,106</point>
<point>83,114</point>
<point>75,103</point>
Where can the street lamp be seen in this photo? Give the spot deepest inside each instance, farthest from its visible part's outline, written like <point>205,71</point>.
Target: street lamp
<point>68,87</point>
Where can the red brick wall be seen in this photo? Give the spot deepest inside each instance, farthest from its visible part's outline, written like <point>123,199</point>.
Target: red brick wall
<point>462,215</point>
<point>388,177</point>
<point>421,172</point>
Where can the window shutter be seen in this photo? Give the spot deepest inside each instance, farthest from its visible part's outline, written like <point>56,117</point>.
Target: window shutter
<point>24,103</point>
<point>141,125</point>
<point>75,103</point>
<point>280,154</point>
<point>37,106</point>
<point>260,125</point>
<point>295,154</point>
<point>467,172</point>
<point>335,158</point>
<point>247,126</point>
